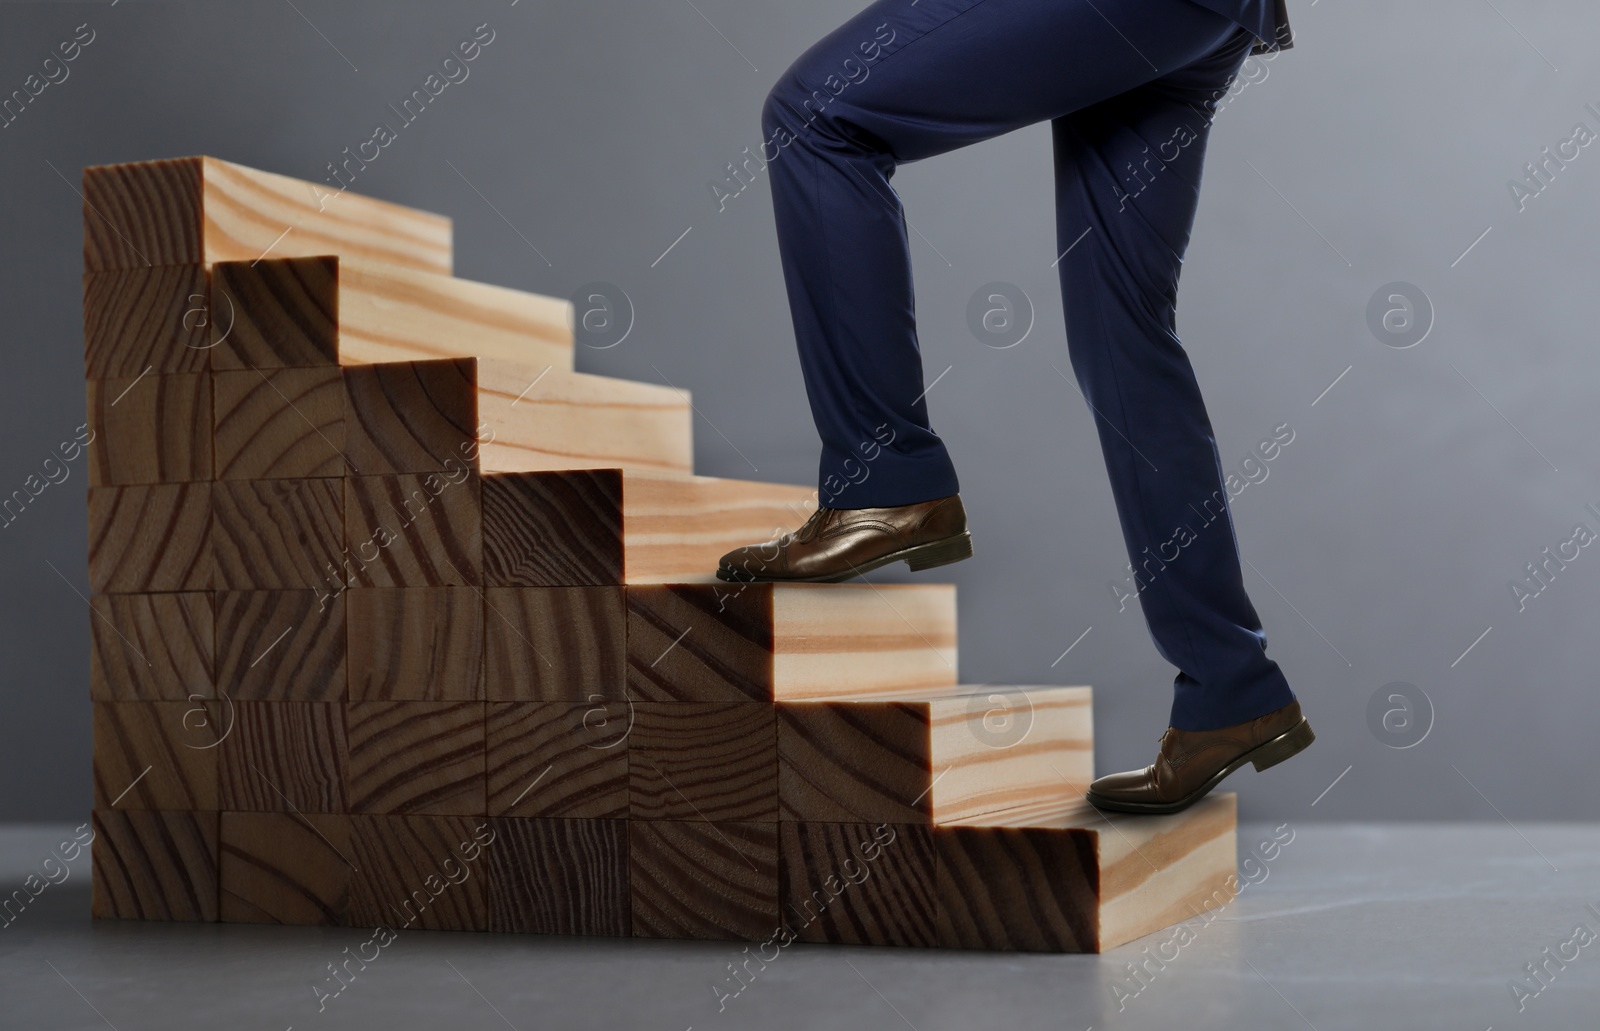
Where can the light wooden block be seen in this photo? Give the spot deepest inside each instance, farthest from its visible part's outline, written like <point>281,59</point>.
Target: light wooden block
<point>416,872</point>
<point>558,759</point>
<point>150,428</point>
<point>151,647</point>
<point>285,868</point>
<point>416,757</point>
<point>276,534</point>
<point>156,755</point>
<point>279,423</point>
<point>414,530</point>
<point>154,866</point>
<point>559,876</point>
<point>282,646</point>
<point>703,761</point>
<point>857,883</point>
<point>421,644</point>
<point>693,879</point>
<point>200,209</point>
<point>554,643</point>
<point>146,318</point>
<point>150,538</point>
<point>284,757</point>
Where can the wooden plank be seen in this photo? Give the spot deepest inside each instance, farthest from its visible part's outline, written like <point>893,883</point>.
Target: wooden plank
<point>857,883</point>
<point>412,417</point>
<point>416,757</point>
<point>281,868</point>
<point>558,759</point>
<point>414,530</point>
<point>677,527</point>
<point>284,757</point>
<point>282,646</point>
<point>150,428</point>
<point>422,644</point>
<point>697,642</point>
<point>421,872</point>
<point>151,647</point>
<point>200,209</point>
<point>554,643</point>
<point>146,318</point>
<point>150,537</point>
<point>279,313</point>
<point>154,866</point>
<point>553,529</point>
<point>274,534</point>
<point>693,879</point>
<point>279,423</point>
<point>713,761</point>
<point>155,755</point>
<point>559,876</point>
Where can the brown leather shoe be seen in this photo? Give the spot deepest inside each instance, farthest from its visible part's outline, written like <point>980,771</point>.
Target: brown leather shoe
<point>1192,762</point>
<point>838,543</point>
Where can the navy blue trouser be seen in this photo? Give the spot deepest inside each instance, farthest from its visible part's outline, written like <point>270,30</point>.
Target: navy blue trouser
<point>1129,87</point>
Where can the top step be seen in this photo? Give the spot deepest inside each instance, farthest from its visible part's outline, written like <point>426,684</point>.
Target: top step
<point>199,209</point>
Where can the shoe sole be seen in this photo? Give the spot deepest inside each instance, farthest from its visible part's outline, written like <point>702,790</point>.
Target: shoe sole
<point>1264,756</point>
<point>920,557</point>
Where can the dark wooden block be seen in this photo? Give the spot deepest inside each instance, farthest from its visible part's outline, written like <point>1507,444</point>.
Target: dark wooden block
<point>279,423</point>
<point>700,642</point>
<point>154,866</point>
<point>715,761</point>
<point>156,755</point>
<point>412,417</point>
<point>152,537</point>
<point>270,534</point>
<point>285,757</point>
<point>150,428</point>
<point>692,879</point>
<point>421,872</point>
<point>558,759</point>
<point>1027,888</point>
<point>415,643</point>
<point>857,884</point>
<point>151,647</point>
<point>854,762</point>
<point>152,317</point>
<point>285,312</point>
<point>284,646</point>
<point>414,530</point>
<point>553,529</point>
<point>554,643</point>
<point>283,868</point>
<point>416,757</point>
<point>559,876</point>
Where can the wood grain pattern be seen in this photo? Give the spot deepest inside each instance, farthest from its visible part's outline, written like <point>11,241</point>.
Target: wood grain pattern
<point>558,759</point>
<point>416,757</point>
<point>559,876</point>
<point>714,761</point>
<point>273,534</point>
<point>554,643</point>
<point>421,644</point>
<point>412,417</point>
<point>692,879</point>
<point>278,313</point>
<point>421,872</point>
<point>1020,888</point>
<point>414,530</point>
<point>153,318</point>
<point>284,646</point>
<point>150,428</point>
<point>151,537</point>
<point>279,423</point>
<point>881,639</point>
<point>155,755</point>
<point>281,868</point>
<point>154,866</point>
<point>857,884</point>
<point>151,647</point>
<point>863,762</point>
<point>200,209</point>
<point>677,527</point>
<point>553,529</point>
<point>284,757</point>
<point>699,642</point>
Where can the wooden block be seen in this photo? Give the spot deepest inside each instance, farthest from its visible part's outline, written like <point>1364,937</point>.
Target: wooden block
<point>554,643</point>
<point>154,866</point>
<point>281,868</point>
<point>279,423</point>
<point>713,761</point>
<point>416,757</point>
<point>559,876</point>
<point>156,755</point>
<point>151,647</point>
<point>285,757</point>
<point>677,527</point>
<point>151,537</point>
<point>553,529</point>
<point>692,879</point>
<point>415,530</point>
<point>421,644</point>
<point>697,642</point>
<point>149,317</point>
<point>421,872</point>
<point>282,646</point>
<point>558,759</point>
<point>857,884</point>
<point>150,428</point>
<point>200,209</point>
<point>280,312</point>
<point>412,417</point>
<point>1065,877</point>
<point>272,534</point>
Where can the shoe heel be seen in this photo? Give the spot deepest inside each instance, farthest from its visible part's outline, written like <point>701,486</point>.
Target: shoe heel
<point>941,553</point>
<point>1290,742</point>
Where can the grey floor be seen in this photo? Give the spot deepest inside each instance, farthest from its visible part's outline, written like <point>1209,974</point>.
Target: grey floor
<point>1350,926</point>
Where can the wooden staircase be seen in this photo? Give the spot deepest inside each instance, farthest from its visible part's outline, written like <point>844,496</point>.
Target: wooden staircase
<point>399,620</point>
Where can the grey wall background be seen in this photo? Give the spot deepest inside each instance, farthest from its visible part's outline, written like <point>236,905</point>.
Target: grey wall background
<point>1380,545</point>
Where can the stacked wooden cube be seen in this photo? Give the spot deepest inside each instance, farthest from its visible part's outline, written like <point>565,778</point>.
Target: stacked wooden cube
<point>399,620</point>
